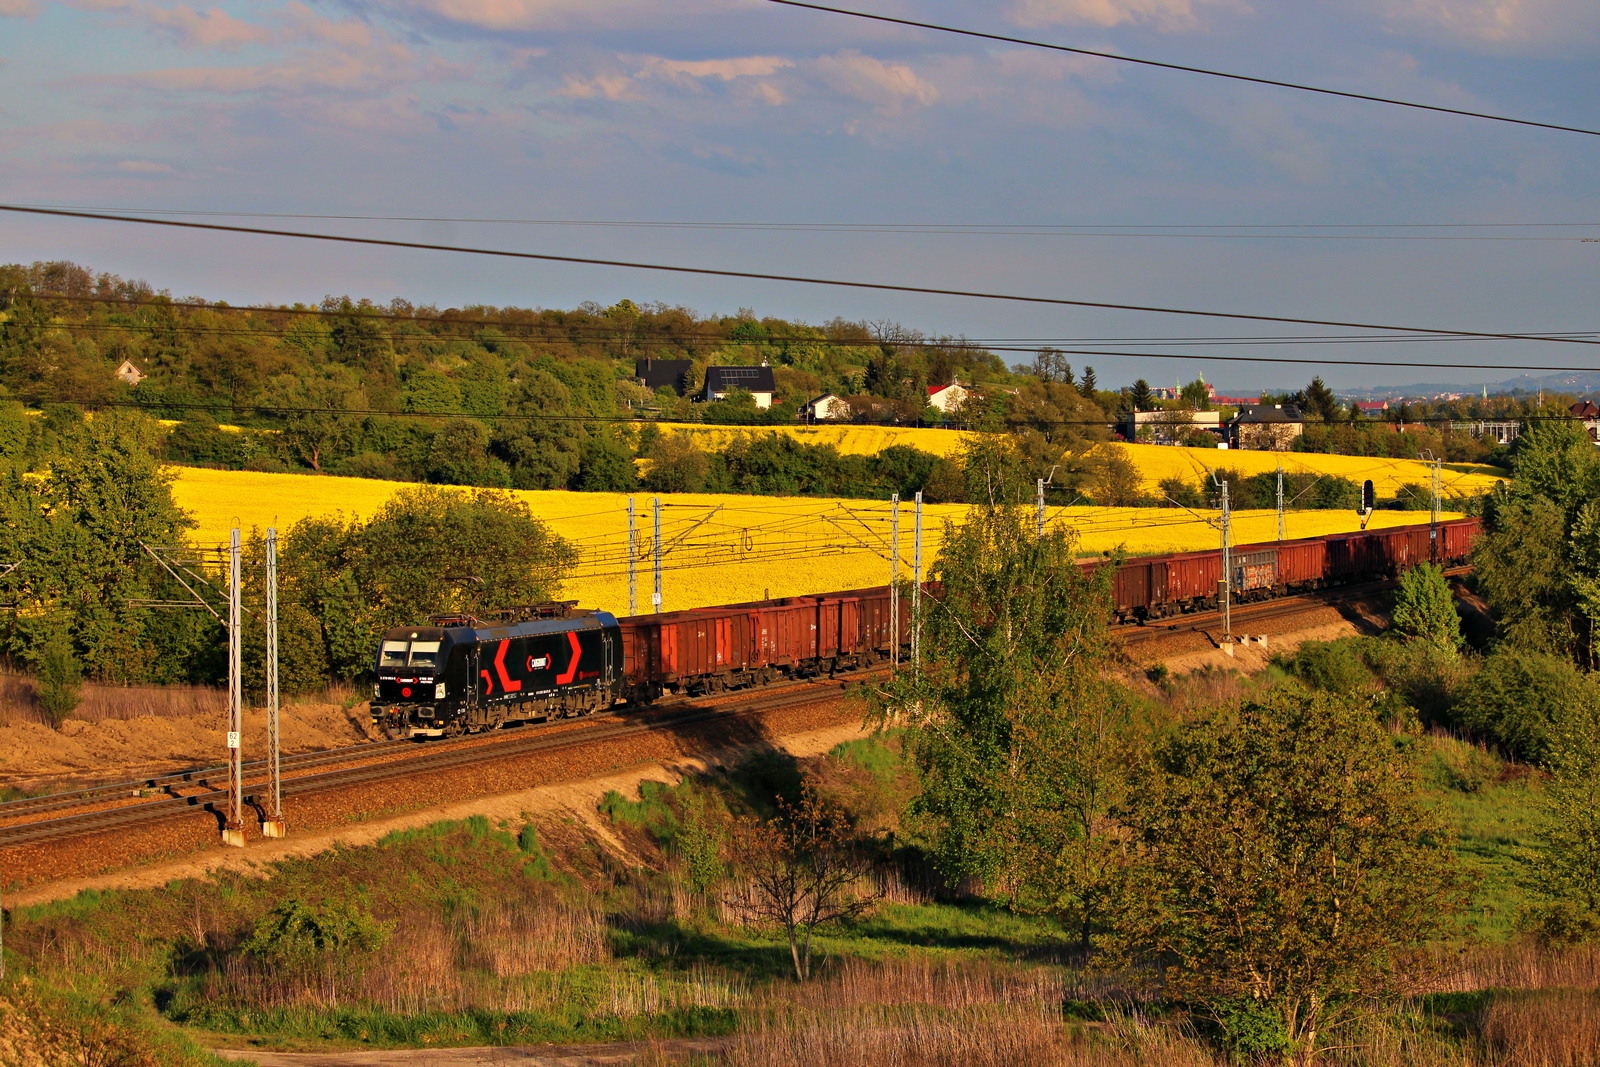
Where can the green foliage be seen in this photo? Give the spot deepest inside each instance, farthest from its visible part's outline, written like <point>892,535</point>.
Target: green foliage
<point>1332,666</point>
<point>1566,866</point>
<point>294,933</point>
<point>1521,569</point>
<point>426,551</point>
<point>1286,858</point>
<point>1515,699</point>
<point>1013,727</point>
<point>58,673</point>
<point>1425,609</point>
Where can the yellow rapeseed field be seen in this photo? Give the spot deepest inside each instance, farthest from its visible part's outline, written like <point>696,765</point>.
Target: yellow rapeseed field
<point>848,439</point>
<point>1156,462</point>
<point>724,549</point>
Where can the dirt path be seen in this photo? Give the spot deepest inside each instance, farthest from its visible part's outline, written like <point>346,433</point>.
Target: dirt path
<point>577,799</point>
<point>620,1052</point>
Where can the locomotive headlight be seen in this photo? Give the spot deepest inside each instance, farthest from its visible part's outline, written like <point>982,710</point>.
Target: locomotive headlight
<point>438,691</point>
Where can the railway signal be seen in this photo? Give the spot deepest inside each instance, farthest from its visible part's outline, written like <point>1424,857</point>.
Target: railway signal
<point>1368,498</point>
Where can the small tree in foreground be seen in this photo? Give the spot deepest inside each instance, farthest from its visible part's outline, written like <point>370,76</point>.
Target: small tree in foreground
<point>59,673</point>
<point>1425,609</point>
<point>804,869</point>
<point>1287,864</point>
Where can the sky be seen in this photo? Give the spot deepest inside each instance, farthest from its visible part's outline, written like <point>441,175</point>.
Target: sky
<point>955,163</point>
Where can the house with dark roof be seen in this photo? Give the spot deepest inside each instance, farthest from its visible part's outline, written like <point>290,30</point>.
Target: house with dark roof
<point>1266,427</point>
<point>654,373</point>
<point>757,381</point>
<point>826,408</point>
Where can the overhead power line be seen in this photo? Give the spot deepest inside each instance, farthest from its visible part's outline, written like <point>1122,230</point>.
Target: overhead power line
<point>1247,231</point>
<point>1186,69</point>
<point>799,279</point>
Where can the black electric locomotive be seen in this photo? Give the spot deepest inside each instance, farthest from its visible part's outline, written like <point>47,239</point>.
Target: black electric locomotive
<point>466,673</point>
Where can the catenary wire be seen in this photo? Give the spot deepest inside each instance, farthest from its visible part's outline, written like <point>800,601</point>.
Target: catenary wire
<point>1251,231</point>
<point>1186,69</point>
<point>841,227</point>
<point>585,335</point>
<point>799,279</point>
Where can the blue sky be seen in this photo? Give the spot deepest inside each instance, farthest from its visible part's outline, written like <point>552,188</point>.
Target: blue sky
<point>743,111</point>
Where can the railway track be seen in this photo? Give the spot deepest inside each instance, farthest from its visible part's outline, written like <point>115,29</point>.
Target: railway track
<point>1261,611</point>
<point>375,763</point>
<point>183,793</point>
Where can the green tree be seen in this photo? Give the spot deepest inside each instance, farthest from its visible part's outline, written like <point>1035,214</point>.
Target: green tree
<point>1015,731</point>
<point>1425,608</point>
<point>426,551</point>
<point>1565,868</point>
<point>1516,697</point>
<point>1140,397</point>
<point>1287,863</point>
<point>56,667</point>
<point>1320,401</point>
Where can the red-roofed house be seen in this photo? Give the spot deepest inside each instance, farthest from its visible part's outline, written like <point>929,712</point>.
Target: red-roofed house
<point>947,397</point>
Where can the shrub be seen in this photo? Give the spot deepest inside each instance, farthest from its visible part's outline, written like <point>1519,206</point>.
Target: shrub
<point>1516,696</point>
<point>58,674</point>
<point>1425,609</point>
<point>1332,666</point>
<point>295,933</point>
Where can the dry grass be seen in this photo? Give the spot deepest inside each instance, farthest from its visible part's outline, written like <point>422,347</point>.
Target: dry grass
<point>103,703</point>
<point>1521,965</point>
<point>1559,1029</point>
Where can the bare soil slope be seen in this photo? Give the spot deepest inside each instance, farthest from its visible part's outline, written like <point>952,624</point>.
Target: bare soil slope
<point>32,755</point>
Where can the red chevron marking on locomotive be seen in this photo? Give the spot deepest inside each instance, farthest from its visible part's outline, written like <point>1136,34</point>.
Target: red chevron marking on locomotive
<point>507,683</point>
<point>571,672</point>
<point>488,683</point>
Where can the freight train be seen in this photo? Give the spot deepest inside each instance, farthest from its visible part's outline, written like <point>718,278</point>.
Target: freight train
<point>467,673</point>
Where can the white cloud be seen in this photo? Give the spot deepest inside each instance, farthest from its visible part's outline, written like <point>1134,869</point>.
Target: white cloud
<point>503,15</point>
<point>208,29</point>
<point>887,85</point>
<point>725,69</point>
<point>1497,22</point>
<point>18,8</point>
<point>1171,16</point>
<point>602,86</point>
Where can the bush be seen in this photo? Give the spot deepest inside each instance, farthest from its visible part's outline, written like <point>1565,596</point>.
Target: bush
<point>1332,666</point>
<point>294,933</point>
<point>1425,609</point>
<point>58,672</point>
<point>1514,699</point>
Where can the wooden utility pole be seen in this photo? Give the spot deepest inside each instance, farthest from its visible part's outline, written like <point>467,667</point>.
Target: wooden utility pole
<point>916,590</point>
<point>894,579</point>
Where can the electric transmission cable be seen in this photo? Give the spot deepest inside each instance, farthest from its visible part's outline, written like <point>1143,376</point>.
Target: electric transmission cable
<point>798,279</point>
<point>1186,69</point>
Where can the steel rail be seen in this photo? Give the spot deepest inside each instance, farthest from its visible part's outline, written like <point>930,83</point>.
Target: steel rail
<point>425,762</point>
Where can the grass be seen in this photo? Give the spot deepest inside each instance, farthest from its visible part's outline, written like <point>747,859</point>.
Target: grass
<point>1494,808</point>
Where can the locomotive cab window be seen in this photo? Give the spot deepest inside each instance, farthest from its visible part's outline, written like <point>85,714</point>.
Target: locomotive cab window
<point>394,654</point>
<point>424,653</point>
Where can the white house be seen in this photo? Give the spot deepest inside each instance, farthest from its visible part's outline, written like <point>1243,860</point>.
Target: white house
<point>825,408</point>
<point>947,398</point>
<point>757,381</point>
<point>129,373</point>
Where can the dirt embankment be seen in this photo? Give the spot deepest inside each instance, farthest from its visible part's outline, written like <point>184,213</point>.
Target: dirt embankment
<point>33,755</point>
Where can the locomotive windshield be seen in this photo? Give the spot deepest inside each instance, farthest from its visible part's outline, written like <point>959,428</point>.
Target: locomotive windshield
<point>421,654</point>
